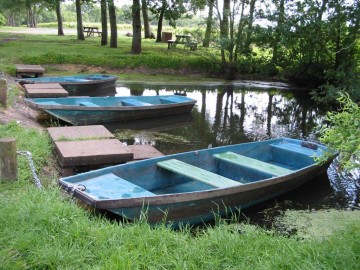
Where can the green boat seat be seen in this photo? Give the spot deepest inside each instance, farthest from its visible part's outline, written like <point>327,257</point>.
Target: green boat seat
<point>134,102</point>
<point>110,186</point>
<point>253,164</point>
<point>88,104</point>
<point>48,103</point>
<point>196,173</point>
<point>169,100</point>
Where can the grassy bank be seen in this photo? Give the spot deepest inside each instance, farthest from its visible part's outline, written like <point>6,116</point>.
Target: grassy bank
<point>53,49</point>
<point>45,229</point>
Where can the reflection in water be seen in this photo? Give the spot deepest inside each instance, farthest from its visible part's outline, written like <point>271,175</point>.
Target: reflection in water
<point>229,115</point>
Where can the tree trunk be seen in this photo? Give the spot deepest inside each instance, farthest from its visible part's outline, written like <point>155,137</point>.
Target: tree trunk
<point>80,29</point>
<point>31,20</point>
<point>209,23</point>
<point>113,26</point>
<point>278,31</point>
<point>249,31</point>
<point>160,21</point>
<point>59,18</point>
<point>225,21</point>
<point>147,30</point>
<point>136,24</point>
<point>104,30</point>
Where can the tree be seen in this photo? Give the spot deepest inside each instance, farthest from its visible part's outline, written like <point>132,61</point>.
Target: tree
<point>168,10</point>
<point>209,23</point>
<point>80,29</point>
<point>104,30</point>
<point>136,40</point>
<point>144,9</point>
<point>113,26</point>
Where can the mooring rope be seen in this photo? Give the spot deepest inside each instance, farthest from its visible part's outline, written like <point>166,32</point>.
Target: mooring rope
<point>32,167</point>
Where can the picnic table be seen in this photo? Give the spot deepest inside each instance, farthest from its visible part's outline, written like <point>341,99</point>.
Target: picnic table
<point>183,39</point>
<point>90,31</point>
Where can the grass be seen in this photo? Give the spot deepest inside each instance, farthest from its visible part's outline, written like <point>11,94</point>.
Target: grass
<point>53,49</point>
<point>45,229</point>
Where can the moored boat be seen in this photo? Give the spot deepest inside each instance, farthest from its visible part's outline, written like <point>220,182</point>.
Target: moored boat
<point>100,110</point>
<point>80,85</point>
<point>191,187</point>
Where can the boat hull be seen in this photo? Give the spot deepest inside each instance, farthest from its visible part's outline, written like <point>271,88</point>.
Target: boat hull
<point>80,85</point>
<point>199,204</point>
<point>111,109</point>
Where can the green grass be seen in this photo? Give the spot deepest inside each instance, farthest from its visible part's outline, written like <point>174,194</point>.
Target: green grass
<point>45,229</point>
<point>53,49</point>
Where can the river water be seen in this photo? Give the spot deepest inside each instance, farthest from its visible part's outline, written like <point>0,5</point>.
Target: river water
<point>238,113</point>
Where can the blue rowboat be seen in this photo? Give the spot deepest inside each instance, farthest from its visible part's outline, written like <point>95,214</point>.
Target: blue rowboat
<point>99,110</point>
<point>80,85</point>
<point>191,187</point>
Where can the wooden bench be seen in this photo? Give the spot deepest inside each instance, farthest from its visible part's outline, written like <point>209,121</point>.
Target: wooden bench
<point>111,186</point>
<point>26,71</point>
<point>90,31</point>
<point>196,173</point>
<point>171,43</point>
<point>253,164</point>
<point>134,102</point>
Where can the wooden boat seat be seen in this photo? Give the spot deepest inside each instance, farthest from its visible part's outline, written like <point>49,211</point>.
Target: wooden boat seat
<point>48,103</point>
<point>134,102</point>
<point>298,149</point>
<point>169,100</point>
<point>197,173</point>
<point>88,104</point>
<point>111,186</point>
<point>251,163</point>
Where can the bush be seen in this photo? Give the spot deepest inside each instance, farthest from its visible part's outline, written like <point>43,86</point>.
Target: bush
<point>342,134</point>
<point>2,19</point>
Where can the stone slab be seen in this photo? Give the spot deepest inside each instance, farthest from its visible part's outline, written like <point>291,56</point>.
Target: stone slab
<point>79,133</point>
<point>92,152</point>
<point>144,151</point>
<point>29,68</point>
<point>43,86</point>
<point>46,93</point>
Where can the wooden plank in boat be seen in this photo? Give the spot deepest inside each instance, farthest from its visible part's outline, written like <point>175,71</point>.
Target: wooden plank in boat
<point>252,163</point>
<point>46,93</point>
<point>134,102</point>
<point>197,173</point>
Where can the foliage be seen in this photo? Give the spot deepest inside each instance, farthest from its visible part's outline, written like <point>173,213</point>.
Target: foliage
<point>2,19</point>
<point>342,134</point>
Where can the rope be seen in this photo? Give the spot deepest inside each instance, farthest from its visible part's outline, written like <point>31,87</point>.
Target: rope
<point>32,167</point>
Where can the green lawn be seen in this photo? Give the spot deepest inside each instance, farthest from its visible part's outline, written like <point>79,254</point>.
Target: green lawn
<point>46,229</point>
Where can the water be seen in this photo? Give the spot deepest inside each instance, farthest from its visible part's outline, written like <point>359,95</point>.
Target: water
<point>230,114</point>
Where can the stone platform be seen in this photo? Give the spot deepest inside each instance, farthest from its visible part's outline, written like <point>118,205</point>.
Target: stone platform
<point>81,148</point>
<point>45,90</point>
<point>29,71</point>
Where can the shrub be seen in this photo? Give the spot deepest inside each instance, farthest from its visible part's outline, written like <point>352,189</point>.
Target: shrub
<point>342,134</point>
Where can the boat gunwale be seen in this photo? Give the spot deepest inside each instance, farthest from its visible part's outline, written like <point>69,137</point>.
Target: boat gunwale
<point>106,108</point>
<point>89,81</point>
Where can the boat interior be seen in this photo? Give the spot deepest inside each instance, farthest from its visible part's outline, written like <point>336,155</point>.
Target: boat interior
<point>222,167</point>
